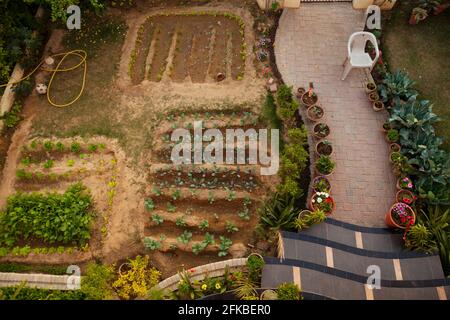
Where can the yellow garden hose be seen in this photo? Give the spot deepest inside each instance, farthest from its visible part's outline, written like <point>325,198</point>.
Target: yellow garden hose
<point>81,54</point>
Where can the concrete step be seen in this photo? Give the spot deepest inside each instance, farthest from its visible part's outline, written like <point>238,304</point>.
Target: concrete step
<point>330,283</point>
<point>392,265</point>
<point>374,239</point>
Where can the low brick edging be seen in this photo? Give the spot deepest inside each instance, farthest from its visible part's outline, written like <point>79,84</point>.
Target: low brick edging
<point>33,280</point>
<point>215,269</point>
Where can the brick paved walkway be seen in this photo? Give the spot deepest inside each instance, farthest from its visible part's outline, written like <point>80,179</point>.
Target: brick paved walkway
<point>310,47</point>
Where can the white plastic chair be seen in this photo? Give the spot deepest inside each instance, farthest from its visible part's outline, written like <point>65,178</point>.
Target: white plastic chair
<point>357,56</point>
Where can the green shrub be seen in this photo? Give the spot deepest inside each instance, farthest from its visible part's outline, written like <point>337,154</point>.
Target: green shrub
<point>12,117</point>
<point>437,221</point>
<point>25,268</point>
<point>29,215</point>
<point>21,292</point>
<point>96,284</point>
<point>420,238</point>
<point>254,266</point>
<point>288,291</point>
<point>269,112</point>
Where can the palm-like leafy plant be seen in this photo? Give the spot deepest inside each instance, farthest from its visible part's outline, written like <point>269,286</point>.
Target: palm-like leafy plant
<point>438,224</point>
<point>279,213</point>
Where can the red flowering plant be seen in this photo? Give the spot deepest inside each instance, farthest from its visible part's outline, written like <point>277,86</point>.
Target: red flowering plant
<point>403,215</point>
<point>406,196</point>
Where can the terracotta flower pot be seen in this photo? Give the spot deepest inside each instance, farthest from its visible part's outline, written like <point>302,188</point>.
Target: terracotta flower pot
<point>378,105</point>
<point>400,198</point>
<point>321,173</point>
<point>395,147</point>
<point>309,101</point>
<point>324,147</point>
<point>317,179</point>
<point>370,87</point>
<point>399,187</point>
<point>385,127</point>
<point>300,92</point>
<point>315,113</point>
<point>373,96</point>
<point>321,130</point>
<point>303,213</point>
<point>313,206</point>
<point>392,154</point>
<point>390,221</point>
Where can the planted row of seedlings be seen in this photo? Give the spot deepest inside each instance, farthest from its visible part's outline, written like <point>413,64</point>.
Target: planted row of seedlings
<point>223,177</point>
<point>221,121</point>
<point>184,46</point>
<point>46,162</point>
<point>197,221</point>
<point>321,201</point>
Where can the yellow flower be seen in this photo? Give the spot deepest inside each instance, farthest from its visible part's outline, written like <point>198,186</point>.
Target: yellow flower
<point>204,286</point>
<point>218,286</point>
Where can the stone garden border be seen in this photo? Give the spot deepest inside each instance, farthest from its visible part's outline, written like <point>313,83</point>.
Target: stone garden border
<point>212,270</point>
<point>34,280</point>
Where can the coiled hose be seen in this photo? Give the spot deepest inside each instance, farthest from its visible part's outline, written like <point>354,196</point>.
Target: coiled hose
<point>80,53</point>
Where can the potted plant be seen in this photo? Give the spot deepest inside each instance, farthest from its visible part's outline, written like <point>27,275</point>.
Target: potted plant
<point>309,98</point>
<point>322,201</point>
<point>324,165</point>
<point>386,127</point>
<point>395,157</point>
<point>400,216</point>
<point>378,105</point>
<point>307,218</point>
<point>268,294</point>
<point>374,96</point>
<point>321,184</point>
<point>418,14</point>
<point>321,130</point>
<point>401,167</point>
<point>395,147</point>
<point>315,113</point>
<point>300,92</point>
<point>405,196</point>
<point>370,87</point>
<point>324,147</point>
<point>392,135</point>
<point>405,183</point>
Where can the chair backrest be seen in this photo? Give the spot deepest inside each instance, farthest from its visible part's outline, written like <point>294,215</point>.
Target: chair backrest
<point>357,42</point>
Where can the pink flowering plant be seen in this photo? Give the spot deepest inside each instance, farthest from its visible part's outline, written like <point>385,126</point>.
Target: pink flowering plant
<point>406,183</point>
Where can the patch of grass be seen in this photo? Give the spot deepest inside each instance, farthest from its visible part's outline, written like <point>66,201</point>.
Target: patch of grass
<point>422,50</point>
<point>24,268</point>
